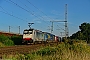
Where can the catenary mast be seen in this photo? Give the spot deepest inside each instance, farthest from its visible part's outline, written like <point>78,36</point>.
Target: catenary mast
<point>66,24</point>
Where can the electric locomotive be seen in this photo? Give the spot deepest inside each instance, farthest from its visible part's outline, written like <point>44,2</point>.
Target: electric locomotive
<point>27,36</point>
<point>32,36</point>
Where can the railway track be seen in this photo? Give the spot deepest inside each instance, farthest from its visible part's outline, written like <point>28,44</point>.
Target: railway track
<point>18,49</point>
<point>21,49</point>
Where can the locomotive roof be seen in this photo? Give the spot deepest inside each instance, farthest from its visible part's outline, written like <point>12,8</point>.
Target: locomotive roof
<point>28,29</point>
<point>32,29</point>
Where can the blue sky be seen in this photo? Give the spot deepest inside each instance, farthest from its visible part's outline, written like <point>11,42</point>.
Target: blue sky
<point>16,13</point>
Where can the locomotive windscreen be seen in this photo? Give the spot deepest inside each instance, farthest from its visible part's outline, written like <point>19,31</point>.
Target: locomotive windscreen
<point>28,31</point>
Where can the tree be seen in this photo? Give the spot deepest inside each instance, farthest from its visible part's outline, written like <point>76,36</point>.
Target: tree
<point>84,33</point>
<point>85,30</point>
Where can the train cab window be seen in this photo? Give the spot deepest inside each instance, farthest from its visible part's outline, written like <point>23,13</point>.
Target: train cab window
<point>25,32</point>
<point>30,32</point>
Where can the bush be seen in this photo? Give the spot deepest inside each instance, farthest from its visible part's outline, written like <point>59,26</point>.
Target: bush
<point>6,41</point>
<point>17,40</point>
<point>46,51</point>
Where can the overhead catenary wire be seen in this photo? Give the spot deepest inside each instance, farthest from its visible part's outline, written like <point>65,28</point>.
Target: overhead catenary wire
<point>41,18</point>
<point>61,28</point>
<point>39,9</point>
<point>24,9</point>
<point>33,11</point>
<point>11,14</point>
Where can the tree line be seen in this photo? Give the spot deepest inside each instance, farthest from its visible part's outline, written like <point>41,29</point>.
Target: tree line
<point>83,33</point>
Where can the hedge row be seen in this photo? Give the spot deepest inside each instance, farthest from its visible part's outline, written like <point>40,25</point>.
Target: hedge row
<point>9,41</point>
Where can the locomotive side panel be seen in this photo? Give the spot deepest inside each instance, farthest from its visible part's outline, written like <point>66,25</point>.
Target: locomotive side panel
<point>38,36</point>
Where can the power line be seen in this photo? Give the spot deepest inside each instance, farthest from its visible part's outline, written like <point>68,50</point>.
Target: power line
<point>61,28</point>
<point>33,11</point>
<point>11,14</point>
<point>24,9</point>
<point>39,9</point>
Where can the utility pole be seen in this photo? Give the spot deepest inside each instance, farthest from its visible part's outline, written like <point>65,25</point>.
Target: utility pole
<point>9,29</point>
<point>52,27</point>
<point>19,29</point>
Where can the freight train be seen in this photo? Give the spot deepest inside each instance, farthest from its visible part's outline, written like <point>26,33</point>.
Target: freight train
<point>37,36</point>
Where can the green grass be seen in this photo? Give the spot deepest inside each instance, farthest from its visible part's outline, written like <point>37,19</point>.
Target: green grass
<point>2,45</point>
<point>64,51</point>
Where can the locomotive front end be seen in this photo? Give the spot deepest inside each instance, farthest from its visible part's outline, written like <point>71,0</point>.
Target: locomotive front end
<point>28,36</point>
